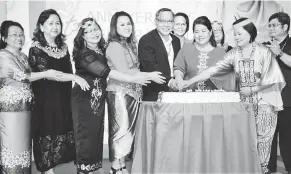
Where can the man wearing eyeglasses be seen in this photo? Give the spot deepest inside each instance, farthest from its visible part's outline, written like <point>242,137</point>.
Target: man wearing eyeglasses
<point>280,44</point>
<point>156,52</point>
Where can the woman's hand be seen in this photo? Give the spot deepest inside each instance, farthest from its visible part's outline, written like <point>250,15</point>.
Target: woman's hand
<point>246,91</point>
<point>157,77</point>
<point>82,82</point>
<point>184,84</point>
<point>141,78</point>
<point>180,83</point>
<point>53,75</point>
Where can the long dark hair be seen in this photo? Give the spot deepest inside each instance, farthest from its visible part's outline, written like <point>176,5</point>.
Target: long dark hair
<point>222,30</point>
<point>114,36</point>
<point>38,34</point>
<point>79,42</point>
<point>203,20</point>
<point>4,31</point>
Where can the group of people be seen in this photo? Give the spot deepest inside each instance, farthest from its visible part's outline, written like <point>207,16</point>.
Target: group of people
<point>67,124</point>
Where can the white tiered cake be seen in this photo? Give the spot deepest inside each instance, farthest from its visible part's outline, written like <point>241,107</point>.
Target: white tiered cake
<point>215,96</point>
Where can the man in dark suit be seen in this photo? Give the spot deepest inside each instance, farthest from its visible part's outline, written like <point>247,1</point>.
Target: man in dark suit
<point>157,51</point>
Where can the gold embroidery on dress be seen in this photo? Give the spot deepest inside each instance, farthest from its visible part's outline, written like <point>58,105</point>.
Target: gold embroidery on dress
<point>52,51</point>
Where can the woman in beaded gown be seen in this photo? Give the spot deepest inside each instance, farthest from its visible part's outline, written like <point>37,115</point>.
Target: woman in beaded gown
<point>122,97</point>
<point>89,106</point>
<point>16,100</point>
<point>53,137</point>
<point>194,58</point>
<point>260,82</point>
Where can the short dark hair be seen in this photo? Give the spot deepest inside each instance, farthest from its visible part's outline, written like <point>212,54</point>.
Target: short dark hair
<point>163,10</point>
<point>250,28</point>
<point>38,34</point>
<point>4,31</point>
<point>79,42</point>
<point>282,17</point>
<point>186,18</point>
<point>203,20</point>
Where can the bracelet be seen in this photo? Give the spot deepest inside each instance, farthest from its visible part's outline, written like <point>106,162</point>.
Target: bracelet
<point>280,54</point>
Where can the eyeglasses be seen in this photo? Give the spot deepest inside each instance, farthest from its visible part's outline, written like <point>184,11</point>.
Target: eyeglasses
<point>95,30</point>
<point>180,24</point>
<point>273,25</point>
<point>15,35</point>
<point>165,21</point>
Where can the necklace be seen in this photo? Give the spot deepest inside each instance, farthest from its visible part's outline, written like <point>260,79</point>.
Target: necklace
<point>252,52</point>
<point>284,45</point>
<point>19,59</point>
<point>51,44</point>
<point>96,49</point>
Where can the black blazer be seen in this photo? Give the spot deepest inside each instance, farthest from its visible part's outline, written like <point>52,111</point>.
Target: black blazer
<point>153,56</point>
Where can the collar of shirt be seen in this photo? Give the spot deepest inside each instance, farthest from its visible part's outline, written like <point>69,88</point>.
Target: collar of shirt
<point>169,48</point>
<point>166,42</point>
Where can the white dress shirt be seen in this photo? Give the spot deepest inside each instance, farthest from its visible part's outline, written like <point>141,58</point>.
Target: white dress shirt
<point>170,51</point>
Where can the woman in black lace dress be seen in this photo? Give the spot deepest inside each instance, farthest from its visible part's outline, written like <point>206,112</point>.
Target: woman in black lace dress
<point>88,106</point>
<point>53,140</point>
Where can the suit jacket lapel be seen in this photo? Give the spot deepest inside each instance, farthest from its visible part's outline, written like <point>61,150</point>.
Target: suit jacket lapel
<point>176,47</point>
<point>160,42</point>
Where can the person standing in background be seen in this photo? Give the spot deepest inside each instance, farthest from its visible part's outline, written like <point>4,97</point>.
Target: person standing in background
<point>219,35</point>
<point>280,45</point>
<point>181,27</point>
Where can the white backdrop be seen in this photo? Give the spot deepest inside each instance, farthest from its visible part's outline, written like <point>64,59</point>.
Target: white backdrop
<point>142,12</point>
